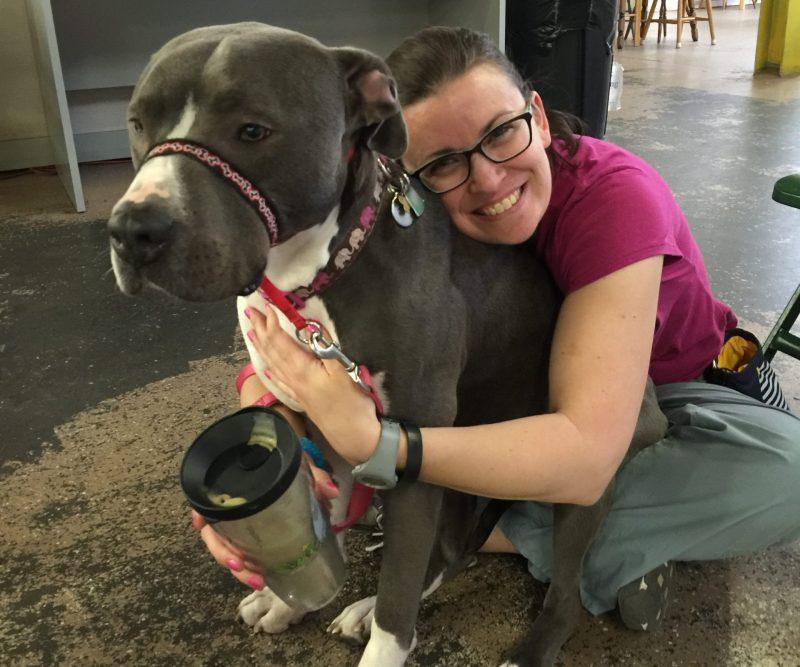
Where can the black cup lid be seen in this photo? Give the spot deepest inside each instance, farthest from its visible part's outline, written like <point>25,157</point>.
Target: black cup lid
<point>240,464</point>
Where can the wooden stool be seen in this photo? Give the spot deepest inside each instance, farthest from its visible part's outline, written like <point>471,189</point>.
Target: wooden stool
<point>781,338</point>
<point>630,12</point>
<point>686,14</point>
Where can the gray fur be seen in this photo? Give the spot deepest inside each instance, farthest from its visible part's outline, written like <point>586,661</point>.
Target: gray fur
<point>461,329</point>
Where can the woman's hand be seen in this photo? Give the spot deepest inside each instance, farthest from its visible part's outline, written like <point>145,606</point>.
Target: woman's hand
<point>341,410</point>
<point>228,555</point>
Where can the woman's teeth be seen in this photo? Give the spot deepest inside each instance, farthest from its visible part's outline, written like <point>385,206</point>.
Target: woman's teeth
<point>504,205</point>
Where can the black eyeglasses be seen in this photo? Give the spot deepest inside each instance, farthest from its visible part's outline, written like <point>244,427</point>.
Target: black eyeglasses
<point>500,144</point>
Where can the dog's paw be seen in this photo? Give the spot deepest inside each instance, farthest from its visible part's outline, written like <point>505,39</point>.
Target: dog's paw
<point>266,612</point>
<point>355,621</point>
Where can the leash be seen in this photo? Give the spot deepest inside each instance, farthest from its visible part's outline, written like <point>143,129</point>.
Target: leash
<point>308,331</point>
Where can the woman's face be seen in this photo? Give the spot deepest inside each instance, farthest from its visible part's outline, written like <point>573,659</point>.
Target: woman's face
<point>499,203</point>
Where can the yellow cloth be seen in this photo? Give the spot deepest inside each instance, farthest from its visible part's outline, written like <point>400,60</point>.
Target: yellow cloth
<point>779,36</point>
<point>736,354</point>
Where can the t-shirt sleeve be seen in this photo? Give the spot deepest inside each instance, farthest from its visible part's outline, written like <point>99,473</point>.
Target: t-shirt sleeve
<point>623,217</point>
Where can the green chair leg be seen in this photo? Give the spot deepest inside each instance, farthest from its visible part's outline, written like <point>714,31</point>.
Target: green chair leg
<point>780,339</point>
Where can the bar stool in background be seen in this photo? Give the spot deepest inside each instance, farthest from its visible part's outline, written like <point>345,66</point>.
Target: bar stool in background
<point>632,13</point>
<point>686,14</point>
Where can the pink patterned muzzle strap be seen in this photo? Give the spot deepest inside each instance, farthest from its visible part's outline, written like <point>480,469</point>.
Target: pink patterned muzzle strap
<point>245,187</point>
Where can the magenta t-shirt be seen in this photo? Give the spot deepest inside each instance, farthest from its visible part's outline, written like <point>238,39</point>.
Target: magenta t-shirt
<point>610,209</point>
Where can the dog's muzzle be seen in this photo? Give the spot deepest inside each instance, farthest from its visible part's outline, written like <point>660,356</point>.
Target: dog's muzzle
<point>140,231</point>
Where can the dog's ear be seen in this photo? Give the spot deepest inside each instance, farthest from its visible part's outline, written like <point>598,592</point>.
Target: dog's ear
<point>372,102</point>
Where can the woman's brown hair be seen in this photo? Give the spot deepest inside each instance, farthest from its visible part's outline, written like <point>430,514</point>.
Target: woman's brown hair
<point>436,55</point>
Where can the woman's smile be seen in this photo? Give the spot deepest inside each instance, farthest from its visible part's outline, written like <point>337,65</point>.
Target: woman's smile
<point>502,205</point>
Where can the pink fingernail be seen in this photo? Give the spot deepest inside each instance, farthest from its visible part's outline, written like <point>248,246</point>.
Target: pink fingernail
<point>267,374</point>
<point>251,335</point>
<point>247,313</point>
<point>255,582</point>
<point>332,485</point>
<point>234,565</point>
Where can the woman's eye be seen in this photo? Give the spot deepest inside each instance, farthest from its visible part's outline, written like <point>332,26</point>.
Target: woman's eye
<point>443,165</point>
<point>137,126</point>
<point>253,132</point>
<point>501,131</point>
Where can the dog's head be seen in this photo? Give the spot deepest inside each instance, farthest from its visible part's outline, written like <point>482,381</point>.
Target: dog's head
<point>279,107</point>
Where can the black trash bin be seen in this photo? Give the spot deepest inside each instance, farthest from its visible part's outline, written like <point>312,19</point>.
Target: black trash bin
<point>564,47</point>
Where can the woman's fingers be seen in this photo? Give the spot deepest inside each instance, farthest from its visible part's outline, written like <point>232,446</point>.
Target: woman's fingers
<point>219,543</point>
<point>295,365</point>
<point>324,486</point>
<point>227,555</point>
<point>240,568</point>
<point>197,520</point>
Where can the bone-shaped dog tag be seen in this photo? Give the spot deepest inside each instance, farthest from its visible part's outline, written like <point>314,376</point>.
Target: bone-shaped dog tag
<point>401,211</point>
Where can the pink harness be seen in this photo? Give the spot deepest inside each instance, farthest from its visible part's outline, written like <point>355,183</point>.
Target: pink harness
<point>290,302</point>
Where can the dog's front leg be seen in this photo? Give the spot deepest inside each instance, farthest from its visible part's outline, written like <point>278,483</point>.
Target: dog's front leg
<point>411,517</point>
<point>574,530</point>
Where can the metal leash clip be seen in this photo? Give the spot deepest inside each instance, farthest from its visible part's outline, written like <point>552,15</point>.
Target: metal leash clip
<point>326,349</point>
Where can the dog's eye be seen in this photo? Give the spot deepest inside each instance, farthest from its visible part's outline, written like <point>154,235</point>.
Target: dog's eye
<point>253,132</point>
<point>137,126</point>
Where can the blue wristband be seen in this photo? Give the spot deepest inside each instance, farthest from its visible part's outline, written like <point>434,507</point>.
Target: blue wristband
<point>313,451</point>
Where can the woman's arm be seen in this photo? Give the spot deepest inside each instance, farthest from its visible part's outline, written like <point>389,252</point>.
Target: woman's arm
<point>598,370</point>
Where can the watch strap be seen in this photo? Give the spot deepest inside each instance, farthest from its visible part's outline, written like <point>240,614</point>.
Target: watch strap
<point>413,452</point>
<point>379,470</point>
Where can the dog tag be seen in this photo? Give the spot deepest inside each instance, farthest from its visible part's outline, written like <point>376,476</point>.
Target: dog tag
<point>403,201</point>
<point>414,199</point>
<point>401,211</point>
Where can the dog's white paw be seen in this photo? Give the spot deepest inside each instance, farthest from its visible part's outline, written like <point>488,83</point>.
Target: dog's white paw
<point>266,612</point>
<point>383,649</point>
<point>355,621</point>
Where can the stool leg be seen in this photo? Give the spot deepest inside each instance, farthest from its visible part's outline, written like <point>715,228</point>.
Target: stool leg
<point>679,22</point>
<point>647,23</point>
<point>693,25</point>
<point>710,14</point>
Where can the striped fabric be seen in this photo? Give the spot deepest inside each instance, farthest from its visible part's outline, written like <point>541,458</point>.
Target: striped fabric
<point>771,393</point>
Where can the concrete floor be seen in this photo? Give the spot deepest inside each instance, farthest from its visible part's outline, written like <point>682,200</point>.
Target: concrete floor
<point>101,394</point>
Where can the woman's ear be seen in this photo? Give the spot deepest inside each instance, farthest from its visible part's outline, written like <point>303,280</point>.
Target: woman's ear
<point>539,121</point>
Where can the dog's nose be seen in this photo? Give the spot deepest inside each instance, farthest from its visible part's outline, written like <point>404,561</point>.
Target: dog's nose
<point>139,231</point>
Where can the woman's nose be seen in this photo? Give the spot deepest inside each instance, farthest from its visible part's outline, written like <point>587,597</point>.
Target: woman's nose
<point>485,175</point>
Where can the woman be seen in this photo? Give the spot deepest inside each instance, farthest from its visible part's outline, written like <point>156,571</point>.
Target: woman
<point>726,479</point>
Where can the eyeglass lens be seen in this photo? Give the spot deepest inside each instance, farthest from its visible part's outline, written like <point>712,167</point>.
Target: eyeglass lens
<point>504,142</point>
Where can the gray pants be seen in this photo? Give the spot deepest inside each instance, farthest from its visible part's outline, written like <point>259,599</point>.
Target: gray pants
<point>724,482</point>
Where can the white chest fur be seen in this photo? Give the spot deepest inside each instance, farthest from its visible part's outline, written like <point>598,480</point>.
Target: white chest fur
<point>291,265</point>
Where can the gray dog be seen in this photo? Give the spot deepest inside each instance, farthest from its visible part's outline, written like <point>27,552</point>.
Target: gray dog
<point>454,331</point>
